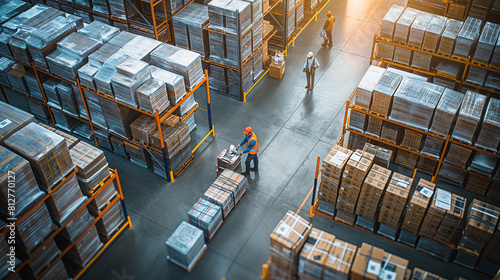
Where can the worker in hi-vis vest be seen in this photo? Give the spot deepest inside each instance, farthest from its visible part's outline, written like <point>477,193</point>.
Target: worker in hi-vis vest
<point>310,69</point>
<point>328,27</point>
<point>252,149</point>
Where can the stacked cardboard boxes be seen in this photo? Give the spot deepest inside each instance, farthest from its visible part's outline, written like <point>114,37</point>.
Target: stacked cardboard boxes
<point>382,156</point>
<point>415,212</point>
<point>287,240</point>
<point>228,160</point>
<point>206,216</point>
<point>314,254</point>
<point>340,259</point>
<point>370,196</point>
<point>420,274</point>
<point>393,205</point>
<point>353,176</point>
<point>331,173</point>
<point>374,263</point>
<point>227,190</point>
<point>92,166</point>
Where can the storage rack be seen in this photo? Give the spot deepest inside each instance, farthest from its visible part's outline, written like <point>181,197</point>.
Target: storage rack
<point>447,5</point>
<point>160,117</point>
<point>117,199</point>
<point>466,62</point>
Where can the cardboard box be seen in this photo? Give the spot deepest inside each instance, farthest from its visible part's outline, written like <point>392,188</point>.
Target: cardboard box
<point>382,156</point>
<point>417,206</point>
<point>481,221</point>
<point>394,200</point>
<point>277,71</point>
<point>314,254</point>
<point>221,197</point>
<point>265,51</point>
<point>367,263</point>
<point>421,274</point>
<point>372,191</point>
<point>340,259</point>
<point>357,168</point>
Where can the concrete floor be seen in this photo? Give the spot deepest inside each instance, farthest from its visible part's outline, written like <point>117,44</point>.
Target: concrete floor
<point>293,128</point>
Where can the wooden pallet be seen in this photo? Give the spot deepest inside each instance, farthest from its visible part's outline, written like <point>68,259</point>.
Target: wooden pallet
<point>479,63</point>
<point>444,54</point>
<point>461,58</point>
<point>429,50</point>
<point>411,45</point>
<point>409,148</point>
<point>494,67</point>
<point>190,268</point>
<point>184,167</point>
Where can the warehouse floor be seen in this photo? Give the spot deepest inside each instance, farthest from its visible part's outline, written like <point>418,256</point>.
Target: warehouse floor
<point>294,127</point>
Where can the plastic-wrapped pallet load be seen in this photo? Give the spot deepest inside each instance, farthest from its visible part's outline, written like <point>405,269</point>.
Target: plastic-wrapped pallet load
<point>489,138</point>
<point>118,9</point>
<point>83,251</point>
<point>103,77</point>
<point>314,254</point>
<point>5,65</point>
<point>70,140</point>
<point>110,222</point>
<point>493,81</point>
<point>100,6</point>
<point>176,88</point>
<point>206,216</point>
<point>67,97</point>
<point>233,182</point>
<point>94,107</point>
<point>389,22</point>
<point>448,37</point>
<point>188,27</point>
<point>432,147</point>
<point>433,33</point>
<point>257,34</point>
<point>495,59</point>
<point>50,88</point>
<point>357,121</point>
<point>290,25</point>
<point>418,28</point>
<point>92,166</point>
<point>467,37</point>
<point>26,188</point>
<point>16,79</point>
<point>12,119</point>
<point>402,55</point>
<point>486,43</point>
<point>445,112</point>
<point>130,75</point>
<point>10,9</point>
<point>77,225</point>
<point>118,117</point>
<point>182,62</point>
<point>233,11</point>
<point>299,13</point>
<point>383,92</point>
<point>483,164</point>
<point>138,155</point>
<point>185,246</point>
<point>372,262</point>
<point>34,228</point>
<point>152,95</point>
<point>46,151</point>
<point>37,265</point>
<point>256,10</point>
<point>98,57</point>
<point>458,155</point>
<point>476,75</point>
<point>402,28</point>
<point>364,90</point>
<point>86,75</point>
<point>101,200</point>
<point>99,31</point>
<point>287,239</point>
<point>469,117</point>
<point>65,202</point>
<point>57,271</point>
<point>415,102</point>
<point>383,157</point>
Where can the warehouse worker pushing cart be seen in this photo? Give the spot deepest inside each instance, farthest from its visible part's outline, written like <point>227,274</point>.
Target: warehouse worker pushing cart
<point>252,149</point>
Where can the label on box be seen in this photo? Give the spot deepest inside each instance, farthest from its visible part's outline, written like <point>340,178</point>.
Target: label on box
<point>403,183</point>
<point>283,229</point>
<point>356,156</point>
<point>443,199</point>
<point>388,275</point>
<point>339,158</point>
<point>373,267</point>
<point>5,123</point>
<point>426,192</point>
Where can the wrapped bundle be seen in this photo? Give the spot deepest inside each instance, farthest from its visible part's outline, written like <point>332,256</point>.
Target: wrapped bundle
<point>206,216</point>
<point>432,147</point>
<point>418,28</point>
<point>257,65</point>
<point>5,65</point>
<point>486,43</point>
<point>103,77</point>
<point>476,75</point>
<point>37,265</point>
<point>340,260</point>
<point>100,6</point>
<point>445,113</point>
<point>331,173</point>
<point>414,103</point>
<point>185,246</point>
<point>103,140</point>
<point>46,151</point>
<point>92,166</point>
<point>117,9</point>
<point>433,33</point>
<point>171,139</point>
<point>188,28</point>
<point>233,52</point>
<point>233,182</point>
<point>71,54</point>
<point>118,117</point>
<point>247,74</point>
<point>95,109</point>
<point>357,121</point>
<point>372,191</point>
<point>402,28</point>
<point>118,146</point>
<point>64,121</point>
<point>467,37</point>
<point>402,55</point>
<point>26,188</point>
<point>488,135</point>
<point>131,73</point>
<point>70,140</point>
<point>383,157</point>
<point>256,10</point>
<point>50,88</point>
<point>389,22</point>
<point>77,225</point>
<point>290,24</point>
<point>34,228</point>
<point>99,31</point>
<point>314,254</point>
<point>228,160</point>
<point>40,111</point>
<point>16,79</point>
<point>110,222</point>
<point>43,41</point>
<point>363,92</point>
<point>34,87</point>
<point>176,88</point>
<point>138,155</point>
<point>140,48</point>
<point>142,127</point>
<point>421,61</point>
<point>458,155</point>
<point>406,159</point>
<point>495,59</point>
<point>257,35</point>
<point>451,175</point>
<point>86,74</point>
<point>383,92</point>
<point>493,81</point>
<point>68,100</point>
<point>191,123</point>
<point>394,201</point>
<point>152,95</point>
<point>65,202</point>
<point>79,95</point>
<point>100,56</point>
<point>12,119</point>
<point>83,251</point>
<point>232,12</point>
<point>448,37</point>
<point>102,199</point>
<point>217,49</point>
<point>356,141</point>
<point>483,164</point>
<point>57,271</point>
<point>469,116</point>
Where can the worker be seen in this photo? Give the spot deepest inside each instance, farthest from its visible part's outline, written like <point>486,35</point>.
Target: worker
<point>328,27</point>
<point>310,68</point>
<point>252,149</point>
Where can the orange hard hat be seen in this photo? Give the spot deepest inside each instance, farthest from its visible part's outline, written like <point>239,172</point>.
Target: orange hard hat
<point>328,13</point>
<point>247,130</point>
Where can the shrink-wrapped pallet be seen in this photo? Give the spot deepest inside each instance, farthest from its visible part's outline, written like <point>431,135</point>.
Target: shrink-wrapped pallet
<point>414,103</point>
<point>256,10</point>
<point>5,65</point>
<point>458,155</point>
<point>402,55</point>
<point>12,119</point>
<point>476,75</point>
<point>118,117</point>
<point>493,81</point>
<point>417,206</point>
<point>182,62</point>
<point>34,228</point>
<point>186,245</point>
<point>118,9</point>
<point>383,92</point>
<point>103,77</point>
<point>389,22</point>
<point>46,151</point>
<point>138,155</point>
<point>421,61</point>
<point>100,6</point>
<point>446,110</point>
<point>34,87</point>
<point>37,265</point>
<point>418,28</point>
<point>110,222</point>
<point>257,65</point>
<point>427,165</point>
<point>64,121</point>
<point>412,139</point>
<point>83,251</point>
<point>364,90</point>
<point>228,160</point>
<point>118,146</point>
<point>26,189</point>
<point>257,36</point>
<point>188,27</point>
<point>94,107</point>
<point>299,13</point>
<point>67,97</point>
<point>231,12</point>
<point>385,51</point>
<point>314,255</point>
<point>290,24</point>
<point>451,175</point>
<point>152,95</point>
<point>467,37</point>
<point>175,83</point>
<point>131,74</point>
<point>206,216</point>
<point>86,75</point>
<point>495,59</point>
<point>102,199</point>
<point>16,79</point>
<point>486,43</point>
<point>374,126</point>
<point>489,135</point>
<point>402,28</point>
<point>395,197</point>
<point>448,37</point>
<point>140,48</point>
<point>406,159</point>
<point>77,225</point>
<point>92,165</point>
<point>99,31</point>
<point>40,111</point>
<point>63,203</point>
<point>433,33</point>
<point>357,121</point>
<point>220,197</point>
<point>469,117</point>
<point>483,164</point>
<point>432,147</point>
<point>98,57</point>
<point>50,88</point>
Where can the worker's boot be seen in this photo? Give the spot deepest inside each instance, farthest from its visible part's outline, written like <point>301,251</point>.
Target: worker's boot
<point>307,86</point>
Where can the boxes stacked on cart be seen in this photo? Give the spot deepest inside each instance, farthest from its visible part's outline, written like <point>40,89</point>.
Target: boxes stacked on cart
<point>186,246</point>
<point>228,160</point>
<point>207,216</point>
<point>92,166</point>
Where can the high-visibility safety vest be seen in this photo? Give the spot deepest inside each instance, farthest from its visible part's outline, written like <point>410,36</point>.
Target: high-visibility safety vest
<point>255,148</point>
<point>330,26</point>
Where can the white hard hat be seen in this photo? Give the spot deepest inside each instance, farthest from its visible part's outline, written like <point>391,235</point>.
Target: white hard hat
<point>310,54</point>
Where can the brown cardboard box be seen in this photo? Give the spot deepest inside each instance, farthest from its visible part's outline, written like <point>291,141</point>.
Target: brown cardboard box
<point>420,274</point>
<point>394,200</point>
<point>382,156</point>
<point>417,206</point>
<point>340,259</point>
<point>266,28</point>
<point>277,71</point>
<point>142,127</point>
<point>357,167</point>
<point>481,221</point>
<point>394,267</point>
<point>315,253</point>
<point>331,173</point>
<point>372,191</point>
<point>367,263</point>
<point>221,197</point>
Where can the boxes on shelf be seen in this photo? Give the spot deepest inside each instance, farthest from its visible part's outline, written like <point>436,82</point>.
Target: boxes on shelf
<point>445,112</point>
<point>176,88</point>
<point>287,240</point>
<point>394,201</point>
<point>433,33</point>
<point>206,216</point>
<point>345,217</point>
<point>402,28</point>
<point>331,173</point>
<point>374,126</point>
<point>76,226</point>
<point>12,120</point>
<point>142,128</point>
<point>389,22</point>
<point>357,121</point>
<point>467,37</point>
<point>40,111</point>
<point>489,137</point>
<point>39,219</point>
<point>47,152</point>
<point>340,259</point>
<point>383,157</point>
<point>118,146</point>
<point>437,249</point>
<point>37,265</point>
<point>383,92</point>
<point>314,254</point>
<point>118,117</point>
<point>384,51</point>
<point>372,262</point>
<point>65,202</point>
<point>417,206</point>
<point>356,141</point>
<point>364,90</point>
<point>92,166</point>
<point>110,222</point>
<point>185,246</point>
<point>83,251</point>
<point>138,155</point>
<point>372,191</point>
<point>406,159</point>
<point>481,221</point>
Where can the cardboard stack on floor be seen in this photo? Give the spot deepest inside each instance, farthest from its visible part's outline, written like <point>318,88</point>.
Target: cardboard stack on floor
<point>207,216</point>
<point>354,174</point>
<point>227,190</point>
<point>186,246</point>
<point>331,175</point>
<point>375,263</point>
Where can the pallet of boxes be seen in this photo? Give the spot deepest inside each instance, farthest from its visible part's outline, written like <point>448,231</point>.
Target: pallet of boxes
<point>277,66</point>
<point>227,191</point>
<point>229,159</point>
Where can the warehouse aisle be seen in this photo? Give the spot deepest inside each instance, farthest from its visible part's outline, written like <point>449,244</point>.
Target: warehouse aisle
<point>293,128</point>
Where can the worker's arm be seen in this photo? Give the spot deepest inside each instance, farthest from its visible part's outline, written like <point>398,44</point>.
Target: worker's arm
<point>326,24</point>
<point>243,142</point>
<point>316,63</point>
<point>250,146</point>
<point>305,65</point>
